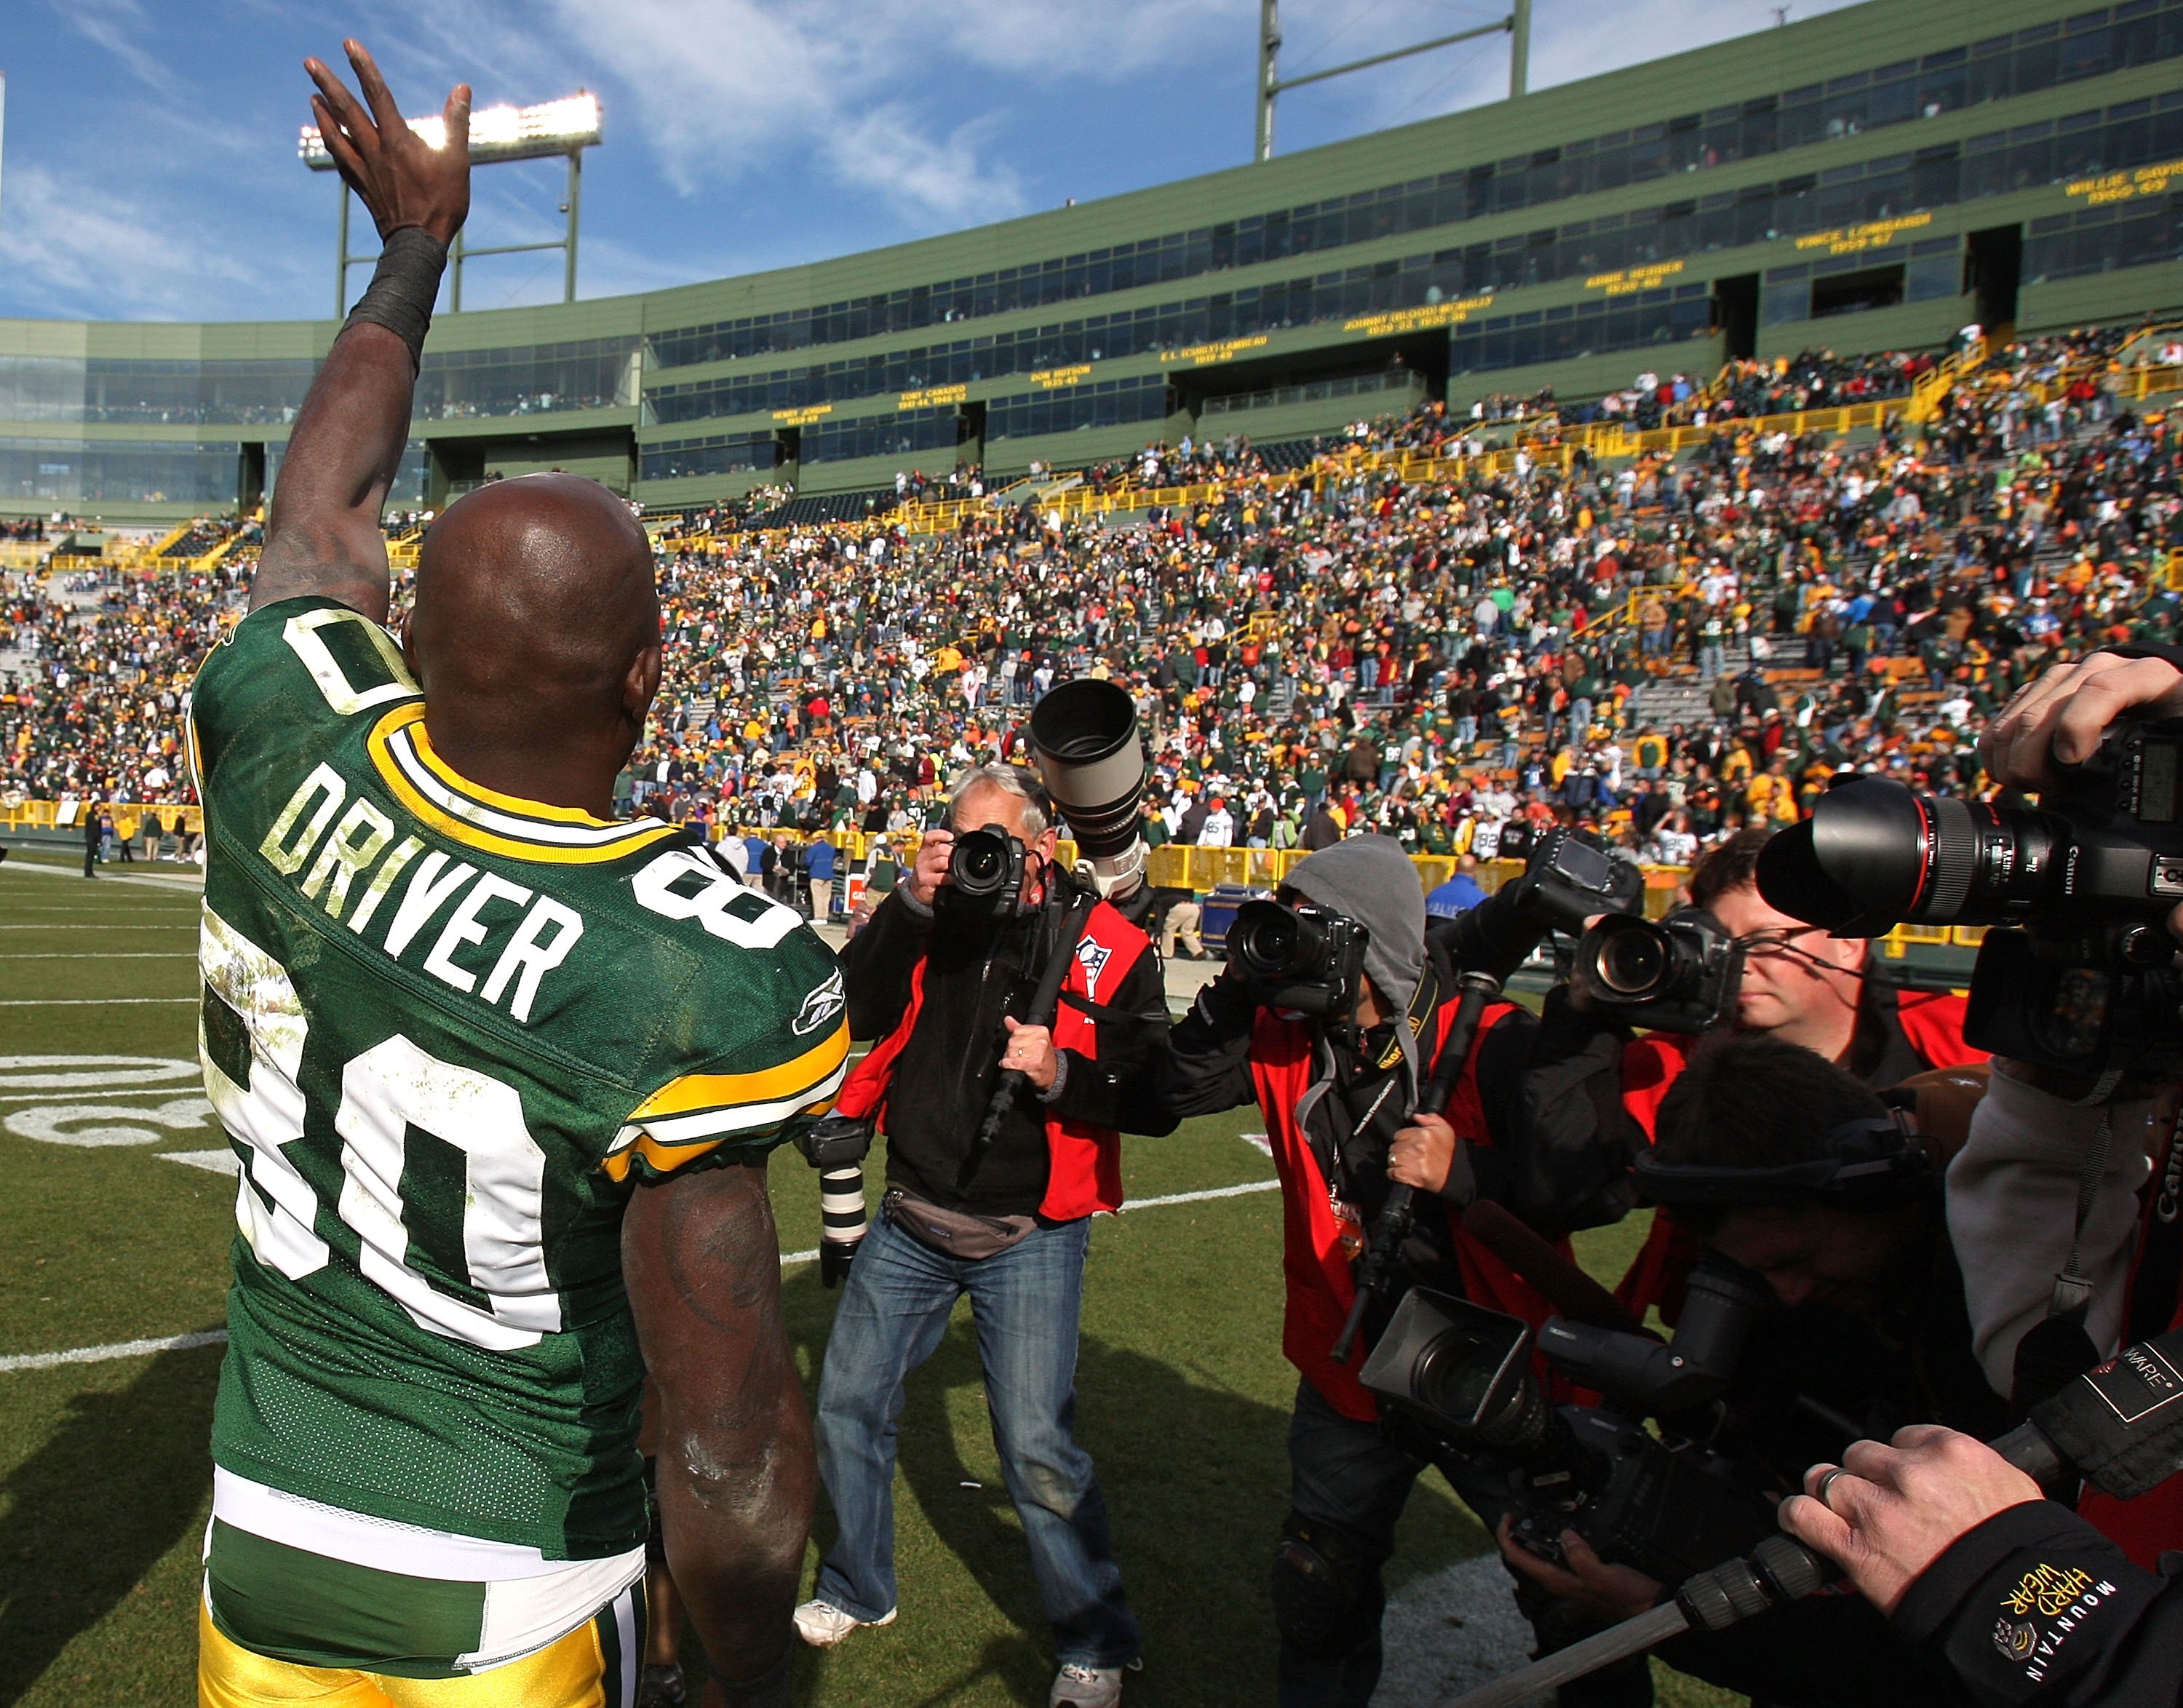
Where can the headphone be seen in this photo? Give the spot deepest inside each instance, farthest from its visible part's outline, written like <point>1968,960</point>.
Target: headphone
<point>1862,1163</point>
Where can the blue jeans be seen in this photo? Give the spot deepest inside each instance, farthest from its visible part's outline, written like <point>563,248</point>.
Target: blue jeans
<point>894,1311</point>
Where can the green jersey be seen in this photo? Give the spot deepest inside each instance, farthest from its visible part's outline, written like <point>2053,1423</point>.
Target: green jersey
<point>446,1030</point>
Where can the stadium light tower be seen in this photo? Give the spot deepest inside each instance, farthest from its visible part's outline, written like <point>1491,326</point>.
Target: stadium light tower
<point>567,126</point>
<point>1518,23</point>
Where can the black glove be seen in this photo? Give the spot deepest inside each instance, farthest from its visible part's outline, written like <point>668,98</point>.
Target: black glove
<point>834,1257</point>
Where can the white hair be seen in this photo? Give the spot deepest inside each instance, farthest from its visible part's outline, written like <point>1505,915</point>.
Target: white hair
<point>1009,780</point>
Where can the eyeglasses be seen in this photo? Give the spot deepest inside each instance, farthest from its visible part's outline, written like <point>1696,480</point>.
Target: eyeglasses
<point>1775,940</point>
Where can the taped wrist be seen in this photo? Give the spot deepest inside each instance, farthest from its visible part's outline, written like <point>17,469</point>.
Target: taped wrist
<point>402,289</point>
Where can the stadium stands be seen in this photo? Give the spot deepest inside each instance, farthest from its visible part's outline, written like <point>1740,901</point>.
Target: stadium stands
<point>1665,645</point>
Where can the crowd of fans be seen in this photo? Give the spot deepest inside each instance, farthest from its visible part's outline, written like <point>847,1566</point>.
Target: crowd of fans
<point>93,680</point>
<point>1664,649</point>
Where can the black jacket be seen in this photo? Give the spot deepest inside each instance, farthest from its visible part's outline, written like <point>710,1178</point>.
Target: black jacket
<point>2036,1606</point>
<point>975,973</point>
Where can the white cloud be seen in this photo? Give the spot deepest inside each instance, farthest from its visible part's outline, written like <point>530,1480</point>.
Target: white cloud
<point>76,249</point>
<point>120,26</point>
<point>724,90</point>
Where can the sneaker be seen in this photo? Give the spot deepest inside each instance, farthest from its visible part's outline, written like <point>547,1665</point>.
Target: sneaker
<point>822,1624</point>
<point>661,1687</point>
<point>1078,1686</point>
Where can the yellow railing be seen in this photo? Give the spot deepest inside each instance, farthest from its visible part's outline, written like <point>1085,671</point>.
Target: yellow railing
<point>1935,384</point>
<point>172,537</point>
<point>48,815</point>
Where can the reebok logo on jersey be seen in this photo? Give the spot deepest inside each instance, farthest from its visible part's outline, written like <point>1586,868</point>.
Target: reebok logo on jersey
<point>819,1007</point>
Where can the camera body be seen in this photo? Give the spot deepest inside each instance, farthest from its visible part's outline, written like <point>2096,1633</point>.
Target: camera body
<point>1678,974</point>
<point>1567,879</point>
<point>1667,1503</point>
<point>985,872</point>
<point>2082,974</point>
<point>1302,957</point>
<point>837,1141</point>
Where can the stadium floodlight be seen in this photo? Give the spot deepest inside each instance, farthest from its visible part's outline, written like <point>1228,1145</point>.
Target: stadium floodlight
<point>1517,24</point>
<point>567,126</point>
<point>497,133</point>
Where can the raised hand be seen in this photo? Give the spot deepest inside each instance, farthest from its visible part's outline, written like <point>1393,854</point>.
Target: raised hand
<point>402,180</point>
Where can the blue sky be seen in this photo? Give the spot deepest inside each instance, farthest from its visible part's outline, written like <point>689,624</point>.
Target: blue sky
<point>151,171</point>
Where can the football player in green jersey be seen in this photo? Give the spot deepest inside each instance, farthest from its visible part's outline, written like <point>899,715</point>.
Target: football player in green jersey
<point>502,1073</point>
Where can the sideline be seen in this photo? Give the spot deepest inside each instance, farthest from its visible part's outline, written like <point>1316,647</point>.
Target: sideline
<point>218,1337</point>
<point>165,882</point>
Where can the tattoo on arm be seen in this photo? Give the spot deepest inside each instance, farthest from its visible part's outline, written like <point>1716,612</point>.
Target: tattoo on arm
<point>737,1474</point>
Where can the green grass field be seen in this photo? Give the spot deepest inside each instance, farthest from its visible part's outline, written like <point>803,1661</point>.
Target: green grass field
<point>105,1481</point>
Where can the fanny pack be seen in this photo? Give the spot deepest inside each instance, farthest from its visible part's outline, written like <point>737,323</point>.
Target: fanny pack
<point>955,1233</point>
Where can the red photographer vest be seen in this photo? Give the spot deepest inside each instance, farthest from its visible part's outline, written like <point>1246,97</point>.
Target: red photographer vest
<point>1083,1170</point>
<point>1321,1286</point>
<point>1931,1020</point>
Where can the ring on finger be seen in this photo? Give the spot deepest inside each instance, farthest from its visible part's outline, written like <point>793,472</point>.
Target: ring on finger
<point>1827,1482</point>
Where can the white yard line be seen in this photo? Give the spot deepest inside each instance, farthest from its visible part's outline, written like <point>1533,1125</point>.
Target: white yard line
<point>86,1001</point>
<point>121,1349</point>
<point>211,1337</point>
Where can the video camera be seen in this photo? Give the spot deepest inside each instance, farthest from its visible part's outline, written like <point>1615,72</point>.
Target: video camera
<point>2082,973</point>
<point>1680,974</point>
<point>1667,1503</point>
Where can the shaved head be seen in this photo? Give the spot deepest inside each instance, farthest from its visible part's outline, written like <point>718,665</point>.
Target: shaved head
<point>535,627</point>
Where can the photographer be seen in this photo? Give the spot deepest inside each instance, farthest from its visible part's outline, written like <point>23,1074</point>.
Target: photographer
<point>1336,1093</point>
<point>2062,1202</point>
<point>2015,1203</point>
<point>1798,985</point>
<point>1788,1168</point>
<point>942,977</point>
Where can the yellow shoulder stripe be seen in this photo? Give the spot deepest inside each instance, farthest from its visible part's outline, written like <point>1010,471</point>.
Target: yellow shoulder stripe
<point>665,1159</point>
<point>413,719</point>
<point>696,1090</point>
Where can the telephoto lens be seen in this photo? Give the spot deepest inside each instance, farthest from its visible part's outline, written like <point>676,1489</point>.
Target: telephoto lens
<point>1874,854</point>
<point>842,1222</point>
<point>1085,742</point>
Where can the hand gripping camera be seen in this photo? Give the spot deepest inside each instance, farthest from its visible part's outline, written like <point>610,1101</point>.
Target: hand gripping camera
<point>2082,974</point>
<point>1567,879</point>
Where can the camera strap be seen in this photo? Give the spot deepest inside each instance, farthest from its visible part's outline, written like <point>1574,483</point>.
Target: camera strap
<point>2073,1288</point>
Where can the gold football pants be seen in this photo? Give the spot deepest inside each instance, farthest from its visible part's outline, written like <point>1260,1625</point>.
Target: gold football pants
<point>593,1666</point>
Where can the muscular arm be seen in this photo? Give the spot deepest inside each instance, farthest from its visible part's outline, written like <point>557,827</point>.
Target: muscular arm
<point>323,535</point>
<point>737,1469</point>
